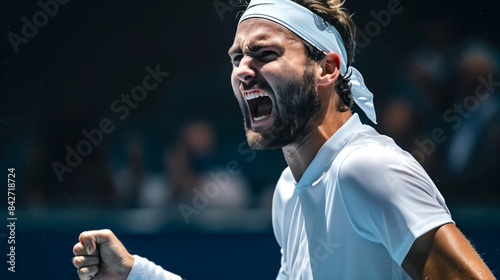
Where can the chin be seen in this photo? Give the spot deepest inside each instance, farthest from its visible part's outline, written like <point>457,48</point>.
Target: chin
<point>255,140</point>
<point>262,140</point>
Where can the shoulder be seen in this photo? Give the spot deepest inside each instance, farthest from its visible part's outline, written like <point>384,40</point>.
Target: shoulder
<point>380,170</point>
<point>369,160</point>
<point>370,152</point>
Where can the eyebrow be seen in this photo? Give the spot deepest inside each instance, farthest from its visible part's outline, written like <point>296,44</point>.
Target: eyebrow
<point>234,50</point>
<point>253,48</point>
<point>256,47</point>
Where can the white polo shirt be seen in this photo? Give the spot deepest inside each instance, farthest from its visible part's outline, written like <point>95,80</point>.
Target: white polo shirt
<point>356,210</point>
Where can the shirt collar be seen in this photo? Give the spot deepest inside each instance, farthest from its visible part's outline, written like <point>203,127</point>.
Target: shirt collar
<point>329,151</point>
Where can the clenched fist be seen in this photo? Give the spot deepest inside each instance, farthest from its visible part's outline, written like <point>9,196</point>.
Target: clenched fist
<point>100,255</point>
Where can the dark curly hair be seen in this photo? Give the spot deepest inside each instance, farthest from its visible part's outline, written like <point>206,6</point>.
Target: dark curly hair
<point>332,12</point>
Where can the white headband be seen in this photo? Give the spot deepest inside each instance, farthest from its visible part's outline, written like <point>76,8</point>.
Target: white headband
<point>317,32</point>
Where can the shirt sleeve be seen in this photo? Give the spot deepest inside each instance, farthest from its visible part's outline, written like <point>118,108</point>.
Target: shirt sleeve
<point>389,198</point>
<point>145,270</point>
<point>282,274</point>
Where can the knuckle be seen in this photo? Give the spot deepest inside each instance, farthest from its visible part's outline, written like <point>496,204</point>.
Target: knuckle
<point>107,232</point>
<point>82,272</point>
<point>77,249</point>
<point>77,262</point>
<point>88,270</point>
<point>82,235</point>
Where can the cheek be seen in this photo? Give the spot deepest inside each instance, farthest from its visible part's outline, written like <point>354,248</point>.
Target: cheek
<point>235,83</point>
<point>281,71</point>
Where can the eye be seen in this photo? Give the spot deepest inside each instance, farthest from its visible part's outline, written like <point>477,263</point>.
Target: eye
<point>268,55</point>
<point>236,60</point>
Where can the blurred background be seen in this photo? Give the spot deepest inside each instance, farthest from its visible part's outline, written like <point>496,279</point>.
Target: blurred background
<point>120,115</point>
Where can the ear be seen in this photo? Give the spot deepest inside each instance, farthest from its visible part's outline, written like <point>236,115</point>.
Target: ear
<point>330,66</point>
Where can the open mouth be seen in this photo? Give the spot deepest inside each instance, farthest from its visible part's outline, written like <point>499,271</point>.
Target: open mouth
<point>259,103</point>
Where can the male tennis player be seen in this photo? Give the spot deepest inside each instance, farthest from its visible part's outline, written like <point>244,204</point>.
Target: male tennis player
<point>351,204</point>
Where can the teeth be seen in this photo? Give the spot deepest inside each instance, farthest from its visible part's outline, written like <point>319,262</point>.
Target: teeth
<point>255,94</point>
<point>260,118</point>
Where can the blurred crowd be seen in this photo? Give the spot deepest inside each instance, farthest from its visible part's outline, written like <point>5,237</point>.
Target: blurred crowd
<point>187,166</point>
<point>445,110</point>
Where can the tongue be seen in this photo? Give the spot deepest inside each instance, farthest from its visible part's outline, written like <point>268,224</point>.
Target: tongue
<point>264,106</point>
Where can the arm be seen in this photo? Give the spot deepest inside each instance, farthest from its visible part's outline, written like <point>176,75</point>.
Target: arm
<point>100,255</point>
<point>444,253</point>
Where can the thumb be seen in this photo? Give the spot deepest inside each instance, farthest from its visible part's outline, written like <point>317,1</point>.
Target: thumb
<point>91,239</point>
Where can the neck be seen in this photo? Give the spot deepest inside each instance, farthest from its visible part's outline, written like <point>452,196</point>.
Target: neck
<point>299,156</point>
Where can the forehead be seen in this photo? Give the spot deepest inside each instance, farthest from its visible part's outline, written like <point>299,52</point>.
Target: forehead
<point>262,31</point>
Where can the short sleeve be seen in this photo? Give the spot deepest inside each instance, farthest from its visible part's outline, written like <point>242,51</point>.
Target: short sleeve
<point>389,198</point>
<point>145,270</point>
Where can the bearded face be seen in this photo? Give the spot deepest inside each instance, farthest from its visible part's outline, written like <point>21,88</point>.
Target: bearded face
<point>290,109</point>
<point>274,83</point>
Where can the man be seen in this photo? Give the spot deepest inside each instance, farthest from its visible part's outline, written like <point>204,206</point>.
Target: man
<point>351,204</point>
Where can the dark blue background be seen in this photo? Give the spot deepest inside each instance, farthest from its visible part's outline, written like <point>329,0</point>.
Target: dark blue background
<point>66,77</point>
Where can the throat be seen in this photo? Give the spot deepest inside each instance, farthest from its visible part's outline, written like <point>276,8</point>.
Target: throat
<point>299,156</point>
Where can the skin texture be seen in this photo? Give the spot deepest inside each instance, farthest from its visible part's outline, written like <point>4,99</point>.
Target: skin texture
<point>266,62</point>
<point>444,253</point>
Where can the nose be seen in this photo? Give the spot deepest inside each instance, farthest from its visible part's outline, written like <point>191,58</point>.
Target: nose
<point>245,71</point>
